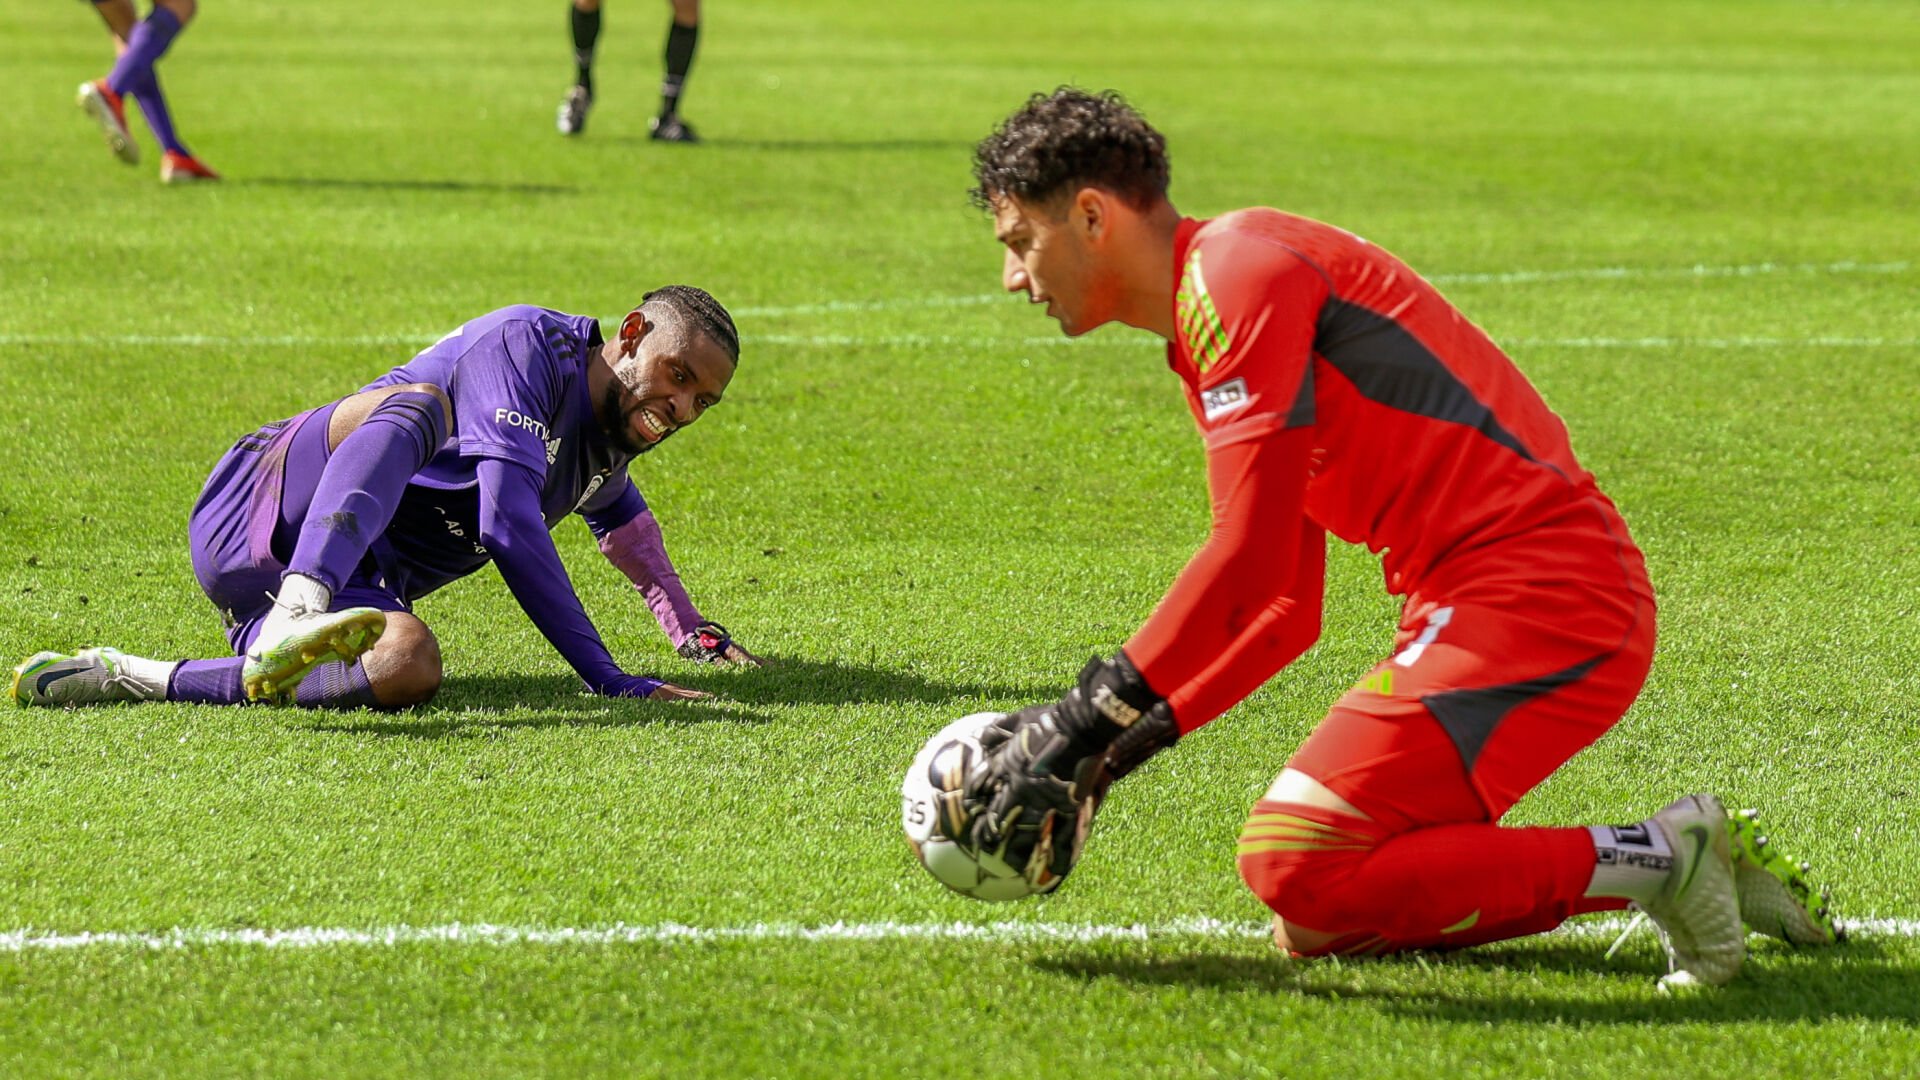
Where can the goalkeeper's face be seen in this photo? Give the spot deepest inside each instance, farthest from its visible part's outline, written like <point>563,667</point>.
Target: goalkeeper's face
<point>1054,255</point>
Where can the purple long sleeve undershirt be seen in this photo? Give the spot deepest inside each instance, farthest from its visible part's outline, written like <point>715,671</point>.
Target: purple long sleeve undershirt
<point>514,532</point>
<point>630,538</point>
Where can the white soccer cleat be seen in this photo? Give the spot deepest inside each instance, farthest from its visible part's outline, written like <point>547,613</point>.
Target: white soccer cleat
<point>1776,898</point>
<point>295,640</point>
<point>92,677</point>
<point>109,110</point>
<point>1697,911</point>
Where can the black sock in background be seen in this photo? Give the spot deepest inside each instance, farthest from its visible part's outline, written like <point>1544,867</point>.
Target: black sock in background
<point>586,31</point>
<point>680,43</point>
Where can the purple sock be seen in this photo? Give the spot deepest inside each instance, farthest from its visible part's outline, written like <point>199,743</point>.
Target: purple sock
<point>335,686</point>
<point>208,682</point>
<point>153,106</point>
<point>362,484</point>
<point>217,682</point>
<point>145,46</point>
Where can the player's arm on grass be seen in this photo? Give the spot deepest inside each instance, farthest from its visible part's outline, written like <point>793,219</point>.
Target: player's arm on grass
<point>629,537</point>
<point>514,532</point>
<point>1248,601</point>
<point>504,388</point>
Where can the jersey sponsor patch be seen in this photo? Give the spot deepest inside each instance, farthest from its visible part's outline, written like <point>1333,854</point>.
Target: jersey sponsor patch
<point>1200,325</point>
<point>1225,398</point>
<point>513,418</point>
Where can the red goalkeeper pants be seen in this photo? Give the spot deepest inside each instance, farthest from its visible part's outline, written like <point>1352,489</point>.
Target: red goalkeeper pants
<point>1483,698</point>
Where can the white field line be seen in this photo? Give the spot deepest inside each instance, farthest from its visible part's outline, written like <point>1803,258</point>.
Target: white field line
<point>1602,273</point>
<point>956,341</point>
<point>999,933</point>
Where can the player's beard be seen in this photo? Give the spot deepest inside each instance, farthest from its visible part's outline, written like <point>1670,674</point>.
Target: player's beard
<point>618,425</point>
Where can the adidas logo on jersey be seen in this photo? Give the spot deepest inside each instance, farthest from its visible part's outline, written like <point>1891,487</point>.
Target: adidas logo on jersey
<point>553,450</point>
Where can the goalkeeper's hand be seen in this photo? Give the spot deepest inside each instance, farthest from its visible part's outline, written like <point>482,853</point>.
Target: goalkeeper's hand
<point>1046,768</point>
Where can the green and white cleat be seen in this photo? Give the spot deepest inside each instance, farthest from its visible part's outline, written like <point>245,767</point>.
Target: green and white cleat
<point>1776,898</point>
<point>302,640</point>
<point>1698,911</point>
<point>91,677</point>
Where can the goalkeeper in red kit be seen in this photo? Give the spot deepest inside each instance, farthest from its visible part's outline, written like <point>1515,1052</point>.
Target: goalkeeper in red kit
<point>1338,392</point>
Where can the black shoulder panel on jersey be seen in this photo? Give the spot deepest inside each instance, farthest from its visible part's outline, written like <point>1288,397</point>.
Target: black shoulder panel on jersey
<point>1302,413</point>
<point>1469,716</point>
<point>1388,365</point>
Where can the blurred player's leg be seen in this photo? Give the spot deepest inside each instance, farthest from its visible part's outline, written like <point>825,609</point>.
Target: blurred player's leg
<point>683,35</point>
<point>585,18</point>
<point>133,74</point>
<point>97,99</point>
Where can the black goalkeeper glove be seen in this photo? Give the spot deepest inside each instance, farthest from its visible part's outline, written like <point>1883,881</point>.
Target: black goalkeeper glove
<point>1047,768</point>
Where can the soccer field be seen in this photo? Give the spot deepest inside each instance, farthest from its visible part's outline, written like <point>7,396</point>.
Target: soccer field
<point>1696,226</point>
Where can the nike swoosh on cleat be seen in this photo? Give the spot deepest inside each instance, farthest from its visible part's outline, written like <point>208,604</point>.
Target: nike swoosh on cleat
<point>1699,835</point>
<point>40,685</point>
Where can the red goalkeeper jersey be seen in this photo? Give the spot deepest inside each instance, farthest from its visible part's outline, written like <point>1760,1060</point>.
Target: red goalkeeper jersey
<point>1339,391</point>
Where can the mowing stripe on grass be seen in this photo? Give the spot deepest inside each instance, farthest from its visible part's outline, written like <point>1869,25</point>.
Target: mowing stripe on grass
<point>1503,277</point>
<point>1603,273</point>
<point>998,933</point>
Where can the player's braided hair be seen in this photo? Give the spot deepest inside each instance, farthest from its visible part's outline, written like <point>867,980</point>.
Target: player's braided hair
<point>1060,142</point>
<point>701,312</point>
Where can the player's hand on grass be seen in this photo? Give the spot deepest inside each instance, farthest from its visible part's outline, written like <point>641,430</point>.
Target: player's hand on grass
<point>711,644</point>
<point>669,692</point>
<point>646,686</point>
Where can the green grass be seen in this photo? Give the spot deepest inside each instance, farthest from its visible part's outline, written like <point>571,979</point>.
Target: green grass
<point>924,510</point>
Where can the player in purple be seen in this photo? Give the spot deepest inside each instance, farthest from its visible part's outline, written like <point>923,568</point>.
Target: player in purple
<point>315,535</point>
<point>139,44</point>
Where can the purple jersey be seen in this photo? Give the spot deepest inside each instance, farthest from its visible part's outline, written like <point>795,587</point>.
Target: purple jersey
<point>517,378</point>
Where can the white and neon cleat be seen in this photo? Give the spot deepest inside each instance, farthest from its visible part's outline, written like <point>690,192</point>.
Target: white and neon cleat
<point>1697,911</point>
<point>1776,898</point>
<point>302,640</point>
<point>109,110</point>
<point>91,677</point>
<point>572,117</point>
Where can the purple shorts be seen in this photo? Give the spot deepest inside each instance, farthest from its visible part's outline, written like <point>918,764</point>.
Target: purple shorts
<point>247,522</point>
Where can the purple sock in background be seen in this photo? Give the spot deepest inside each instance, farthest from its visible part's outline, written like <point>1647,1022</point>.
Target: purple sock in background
<point>335,686</point>
<point>153,106</point>
<point>362,483</point>
<point>145,45</point>
<point>208,682</point>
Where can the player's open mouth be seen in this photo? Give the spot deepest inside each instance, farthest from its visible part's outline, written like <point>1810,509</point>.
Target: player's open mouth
<point>653,428</point>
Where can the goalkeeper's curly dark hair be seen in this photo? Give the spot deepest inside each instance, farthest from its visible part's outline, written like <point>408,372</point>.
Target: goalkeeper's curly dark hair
<point>1060,142</point>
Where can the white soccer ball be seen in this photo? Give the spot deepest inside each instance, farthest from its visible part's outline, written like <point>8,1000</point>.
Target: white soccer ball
<point>933,793</point>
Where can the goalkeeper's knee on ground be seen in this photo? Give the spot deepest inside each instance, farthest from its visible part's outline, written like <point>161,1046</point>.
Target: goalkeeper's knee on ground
<point>1299,860</point>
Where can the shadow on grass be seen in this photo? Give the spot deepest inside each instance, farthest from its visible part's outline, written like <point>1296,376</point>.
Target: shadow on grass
<point>471,706</point>
<point>1853,981</point>
<point>455,186</point>
<point>791,680</point>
